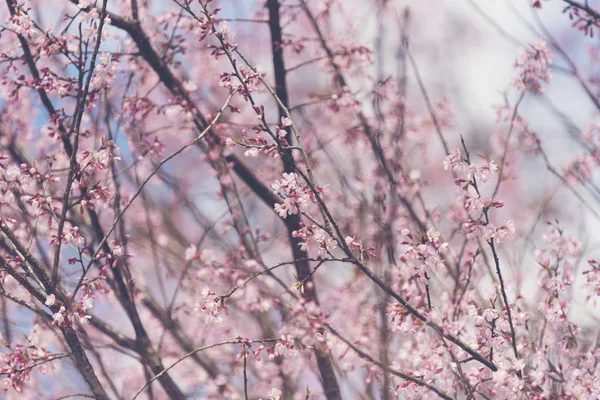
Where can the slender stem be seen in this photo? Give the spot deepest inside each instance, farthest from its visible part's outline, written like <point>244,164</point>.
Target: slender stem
<point>75,128</point>
<point>492,245</point>
<point>245,374</point>
<point>400,374</point>
<point>144,183</point>
<point>190,354</point>
<point>584,7</point>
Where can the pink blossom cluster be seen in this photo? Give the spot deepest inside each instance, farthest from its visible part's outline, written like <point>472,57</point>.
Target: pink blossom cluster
<point>20,360</point>
<point>210,307</point>
<point>469,195</point>
<point>534,67</point>
<point>592,277</point>
<point>77,312</point>
<point>426,253</point>
<point>166,232</point>
<point>312,234</point>
<point>296,196</point>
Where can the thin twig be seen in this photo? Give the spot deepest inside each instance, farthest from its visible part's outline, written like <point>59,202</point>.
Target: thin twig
<point>245,374</point>
<point>144,183</point>
<point>191,353</point>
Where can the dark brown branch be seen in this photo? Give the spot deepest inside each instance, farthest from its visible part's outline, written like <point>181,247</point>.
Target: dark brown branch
<point>292,222</point>
<point>143,345</point>
<point>143,342</point>
<point>179,335</point>
<point>83,364</point>
<point>492,245</point>
<point>591,12</point>
<point>75,128</point>
<point>400,374</point>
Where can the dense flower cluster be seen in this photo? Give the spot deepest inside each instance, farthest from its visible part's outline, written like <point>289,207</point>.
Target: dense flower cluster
<point>215,200</point>
<point>426,252</point>
<point>296,196</point>
<point>534,67</point>
<point>21,359</point>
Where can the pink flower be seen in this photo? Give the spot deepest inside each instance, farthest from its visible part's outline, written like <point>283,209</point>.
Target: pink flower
<point>533,64</point>
<point>454,160</point>
<point>296,196</point>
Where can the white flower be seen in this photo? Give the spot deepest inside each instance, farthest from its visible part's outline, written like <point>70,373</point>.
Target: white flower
<point>253,152</point>
<point>59,317</point>
<point>87,302</point>
<point>207,256</point>
<point>274,394</point>
<point>50,300</point>
<point>173,112</point>
<point>118,250</point>
<point>191,252</point>
<point>230,143</point>
<point>190,86</point>
<point>228,35</point>
<point>276,186</point>
<point>13,171</point>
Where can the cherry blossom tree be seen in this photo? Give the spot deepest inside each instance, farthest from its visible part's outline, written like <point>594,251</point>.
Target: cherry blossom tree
<point>295,199</point>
